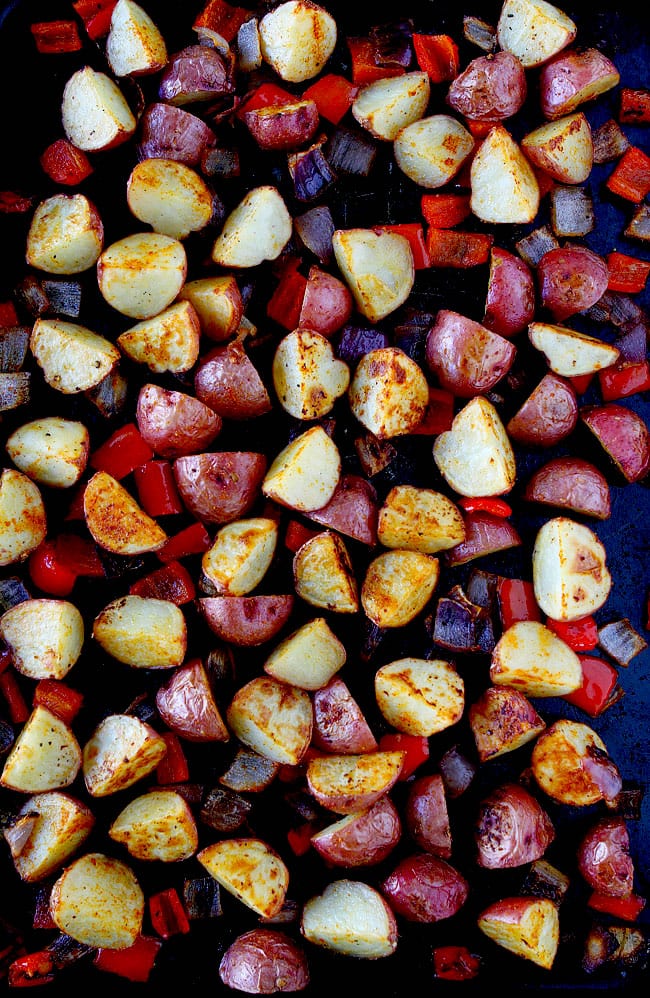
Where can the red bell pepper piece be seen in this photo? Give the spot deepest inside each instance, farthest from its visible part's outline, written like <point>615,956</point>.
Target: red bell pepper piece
<point>6,659</point>
<point>11,691</point>
<point>599,679</point>
<point>365,66</point>
<point>135,962</point>
<point>58,698</point>
<point>332,94</point>
<point>171,582</point>
<point>439,413</point>
<point>64,163</point>
<point>48,573</point>
<point>478,129</point>
<point>79,555</point>
<point>8,314</point>
<point>13,203</point>
<point>581,635</point>
<point>634,106</point>
<point>580,382</point>
<point>516,601</point>
<point>451,248</point>
<point>622,380</point>
<point>191,540</point>
<point>627,273</point>
<point>224,18</point>
<point>288,773</point>
<point>414,232</point>
<point>56,36</point>
<point>630,178</point>
<point>300,838</point>
<point>123,452</point>
<point>545,181</point>
<point>266,95</point>
<point>96,16</point>
<point>455,963</point>
<point>30,970</point>
<point>296,534</point>
<point>487,504</point>
<point>167,914</point>
<point>437,55</point>
<point>285,303</point>
<point>628,908</point>
<point>444,211</point>
<point>415,746</point>
<point>157,490</point>
<point>173,767</point>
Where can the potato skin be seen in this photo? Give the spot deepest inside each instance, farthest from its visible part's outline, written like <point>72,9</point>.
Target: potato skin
<point>424,888</point>
<point>263,962</point>
<point>490,88</point>
<point>175,424</point>
<point>511,829</point>
<point>365,839</point>
<point>219,487</point>
<point>604,858</point>
<point>570,279</point>
<point>573,484</point>
<point>548,415</point>
<point>466,357</point>
<point>426,817</point>
<point>510,299</point>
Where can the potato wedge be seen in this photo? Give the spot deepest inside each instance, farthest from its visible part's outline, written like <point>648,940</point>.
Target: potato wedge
<point>273,718</point>
<point>141,274</point>
<point>432,150</point>
<point>121,750</point>
<point>141,631</point>
<point>229,383</point>
<point>570,279</point>
<point>547,416</point>
<point>571,484</point>
<point>570,353</point>
<point>423,888</point>
<point>134,45</point>
<point>466,357</point>
<point>534,30</point>
<point>45,756</point>
<point>167,342</point>
<point>323,574</point>
<point>98,901</point>
<point>23,518</point>
<point>45,637</point>
<point>570,763</point>
<point>304,475</point>
<point>426,815</point>
<point>200,72</point>
<point>219,486</point>
<point>360,839</point>
<point>218,303</point>
<point>52,451</point>
<point>257,229</point>
<point>309,657</point>
<point>94,112</point>
<point>61,825</point>
<point>265,960</point>
<point>570,574</point>
<point>397,586</point>
<point>72,357</point>
<point>250,870</point>
<point>352,510</point>
<point>388,393</point>
<point>526,926</point>
<point>564,148</point>
<point>283,126</point>
<point>66,235</point>
<point>504,185</point>
<point>174,423</point>
<point>378,268</point>
<point>158,825</point>
<point>475,457</point>
<point>247,621</point>
<point>307,377</point>
<point>502,719</point>
<point>574,77</point>
<point>339,723</point>
<point>511,828</point>
<point>419,696</point>
<point>350,783</point>
<point>530,657</point>
<point>240,555</point>
<point>352,918</point>
<point>169,196</point>
<point>385,106</point>
<point>186,703</point>
<point>116,521</point>
<point>296,39</point>
<point>624,436</point>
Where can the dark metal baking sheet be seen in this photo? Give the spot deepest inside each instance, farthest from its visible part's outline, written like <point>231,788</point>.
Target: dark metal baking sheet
<point>31,86</point>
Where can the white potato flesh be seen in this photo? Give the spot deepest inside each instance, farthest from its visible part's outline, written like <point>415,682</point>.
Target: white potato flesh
<point>169,196</point>
<point>534,30</point>
<point>94,112</point>
<point>141,274</point>
<point>323,574</point>
<point>307,376</point>
<point>296,39</point>
<point>420,696</point>
<point>116,521</point>
<point>240,555</point>
<point>570,574</point>
<point>570,353</point>
<point>23,519</point>
<point>249,869</point>
<point>352,918</point>
<point>309,657</point>
<point>378,268</point>
<point>72,357</point>
<point>62,823</point>
<point>557,763</point>
<point>419,519</point>
<point>564,148</point>
<point>389,392</point>
<point>218,304</point>
<point>142,631</point>
<point>397,586</point>
<point>272,718</point>
<point>475,457</point>
<point>432,150</point>
<point>52,451</point>
<point>121,750</point>
<point>46,637</point>
<point>45,756</point>
<point>257,229</point>
<point>349,783</point>
<point>167,342</point>
<point>134,45</point>
<point>158,825</point>
<point>304,475</point>
<point>98,901</point>
<point>385,106</point>
<point>526,926</point>
<point>66,235</point>
<point>530,657</point>
<point>503,182</point>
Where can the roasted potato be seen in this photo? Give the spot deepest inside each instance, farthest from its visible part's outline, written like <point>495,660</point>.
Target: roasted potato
<point>309,657</point>
<point>475,456</point>
<point>624,436</point>
<point>352,510</point>
<point>534,30</point>
<point>61,824</point>
<point>134,44</point>
<point>296,39</point>
<point>186,703</point>
<point>526,926</point>
<point>219,486</point>
<point>283,126</point>
<point>94,112</point>
<point>173,423</point>
<point>432,149</point>
<point>195,73</point>
<point>419,519</point>
<point>420,696</point>
<point>570,764</point>
<point>530,657</point>
<point>574,77</point>
<point>66,235</point>
<point>218,303</point>
<point>385,106</point>
<point>350,783</point>
<point>264,961</point>
<point>45,637</point>
<point>251,870</point>
<point>361,839</point>
<point>502,719</point>
<point>571,279</point>
<point>570,574</point>
<point>490,88</point>
<point>511,828</point>
<point>158,825</point>
<point>227,381</point>
<point>170,196</point>
<point>352,918</point>
<point>247,621</point>
<point>426,816</point>
<point>388,393</point>
<point>305,473</point>
<point>604,857</point>
<point>240,555</point>
<point>121,750</point>
<point>168,341</point>
<point>45,756</point>
<point>397,586</point>
<point>307,377</point>
<point>425,888</point>
<point>72,357</point>
<point>52,451</point>
<point>323,574</point>
<point>339,723</point>
<point>327,303</point>
<point>142,274</point>
<point>273,718</point>
<point>547,416</point>
<point>570,353</point>
<point>467,358</point>
<point>257,229</point>
<point>378,268</point>
<point>503,182</point>
<point>142,632</point>
<point>23,519</point>
<point>563,148</point>
<point>511,294</point>
<point>571,484</point>
<point>170,132</point>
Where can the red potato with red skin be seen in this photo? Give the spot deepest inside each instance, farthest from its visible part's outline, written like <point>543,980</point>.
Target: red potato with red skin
<point>570,279</point>
<point>173,423</point>
<point>511,294</point>
<point>285,126</point>
<point>574,77</point>
<point>327,303</point>
<point>264,961</point>
<point>467,358</point>
<point>247,621</point>
<point>511,828</point>
<point>339,722</point>
<point>490,88</point>
<point>228,382</point>
<point>187,705</point>
<point>170,132</point>
<point>484,534</point>
<point>623,435</point>
<point>547,416</point>
<point>425,888</point>
<point>604,858</point>
<point>362,839</point>
<point>353,510</point>
<point>426,816</point>
<point>570,483</point>
<point>219,486</point>
<point>195,73</point>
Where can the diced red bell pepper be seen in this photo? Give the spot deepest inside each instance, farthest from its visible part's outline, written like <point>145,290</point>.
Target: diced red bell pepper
<point>56,36</point>
<point>444,211</point>
<point>333,95</point>
<point>173,767</point>
<point>167,914</point>
<point>288,773</point>
<point>123,452</point>
<point>58,698</point>
<point>628,274</point>
<point>634,106</point>
<point>11,691</point>
<point>516,601</point>
<point>171,582</point>
<point>478,129</point>
<point>96,16</point>
<point>580,635</point>
<point>545,181</point>
<point>135,962</point>
<point>30,970</point>
<point>300,838</point>
<point>296,534</point>
<point>455,963</point>
<point>266,95</point>
<point>452,248</point>
<point>415,746</point>
<point>13,203</point>
<point>599,679</point>
<point>439,413</point>
<point>622,380</point>
<point>365,66</point>
<point>414,232</point>
<point>628,908</point>
<point>487,504</point>
<point>48,573</point>
<point>224,18</point>
<point>8,314</point>
<point>285,303</point>
<point>64,163</point>
<point>79,555</point>
<point>581,382</point>
<point>157,490</point>
<point>437,55</point>
<point>191,540</point>
<point>630,178</point>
